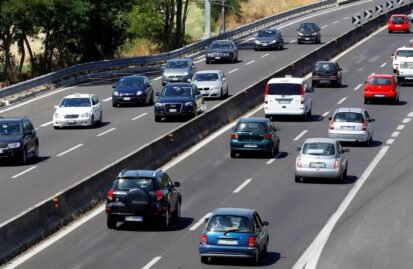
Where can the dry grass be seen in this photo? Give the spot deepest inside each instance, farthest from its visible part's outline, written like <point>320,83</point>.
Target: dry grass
<point>139,47</point>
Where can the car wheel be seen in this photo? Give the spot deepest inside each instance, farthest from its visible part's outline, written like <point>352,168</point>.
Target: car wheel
<point>396,100</point>
<point>204,259</point>
<point>177,213</point>
<point>23,156</point>
<point>256,259</point>
<point>111,222</point>
<point>221,94</point>
<point>314,84</point>
<point>339,84</point>
<point>207,62</point>
<point>114,104</point>
<point>36,153</point>
<point>100,118</point>
<point>92,122</point>
<point>270,153</point>
<point>157,119</point>
<point>298,42</point>
<point>368,142</point>
<point>309,114</point>
<point>256,49</point>
<point>166,219</point>
<point>233,154</point>
<point>151,100</point>
<point>297,178</point>
<point>394,70</point>
<point>319,40</point>
<point>264,250</point>
<point>366,101</point>
<point>227,93</point>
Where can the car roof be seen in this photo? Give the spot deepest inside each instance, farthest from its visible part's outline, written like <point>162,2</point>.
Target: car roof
<point>138,173</point>
<point>79,95</point>
<point>317,140</point>
<point>253,119</point>
<point>13,118</point>
<point>404,48</point>
<point>381,76</point>
<point>286,80</point>
<point>180,60</point>
<point>234,211</point>
<point>208,71</point>
<point>349,109</point>
<point>132,76</point>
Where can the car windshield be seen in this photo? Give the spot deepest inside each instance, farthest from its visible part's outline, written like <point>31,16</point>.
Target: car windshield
<point>177,65</point>
<point>404,53</point>
<point>266,33</point>
<point>251,127</point>
<point>325,67</point>
<point>128,183</point>
<point>398,20</point>
<point>206,77</point>
<point>10,128</point>
<point>224,223</point>
<point>379,81</point>
<point>171,91</point>
<point>75,102</point>
<point>307,27</point>
<point>319,149</point>
<point>130,82</point>
<point>284,89</point>
<point>348,117</point>
<point>406,65</point>
<point>220,45</point>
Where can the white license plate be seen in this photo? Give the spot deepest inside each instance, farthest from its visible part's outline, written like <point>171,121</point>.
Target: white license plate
<point>227,242</point>
<point>71,121</point>
<point>317,165</point>
<point>379,95</point>
<point>397,25</point>
<point>126,98</point>
<point>283,101</point>
<point>175,79</point>
<point>250,146</point>
<point>173,110</point>
<point>265,45</point>
<point>217,58</point>
<point>307,38</point>
<point>347,127</point>
<point>134,218</point>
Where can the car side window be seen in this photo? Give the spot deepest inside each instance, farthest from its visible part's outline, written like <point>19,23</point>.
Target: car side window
<point>257,226</point>
<point>196,91</point>
<point>305,87</point>
<point>26,128</point>
<point>339,148</point>
<point>222,76</point>
<point>29,125</point>
<point>258,219</point>
<point>366,116</point>
<point>164,182</point>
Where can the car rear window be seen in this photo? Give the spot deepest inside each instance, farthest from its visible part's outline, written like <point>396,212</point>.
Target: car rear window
<point>223,223</point>
<point>251,127</point>
<point>404,53</point>
<point>128,183</point>
<point>398,19</point>
<point>284,89</point>
<point>348,117</point>
<point>10,128</point>
<point>379,81</point>
<point>325,67</point>
<point>319,149</point>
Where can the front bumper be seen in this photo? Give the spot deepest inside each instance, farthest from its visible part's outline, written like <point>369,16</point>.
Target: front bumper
<point>307,38</point>
<point>360,136</point>
<point>405,79</point>
<point>62,122</point>
<point>317,172</point>
<point>266,45</point>
<point>185,111</point>
<point>227,251</point>
<point>166,80</point>
<point>212,93</point>
<point>10,153</point>
<point>129,99</point>
<point>219,58</point>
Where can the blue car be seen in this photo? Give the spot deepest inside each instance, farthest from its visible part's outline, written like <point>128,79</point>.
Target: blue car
<point>234,233</point>
<point>133,90</point>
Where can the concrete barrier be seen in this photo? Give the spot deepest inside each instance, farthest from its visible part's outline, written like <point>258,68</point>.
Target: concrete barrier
<point>38,222</point>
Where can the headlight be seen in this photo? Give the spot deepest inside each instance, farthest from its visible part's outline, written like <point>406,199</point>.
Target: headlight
<point>226,54</point>
<point>139,92</point>
<point>300,34</point>
<point>57,115</point>
<point>257,42</point>
<point>314,34</point>
<point>13,145</point>
<point>85,115</point>
<point>215,88</point>
<point>189,104</point>
<point>186,74</point>
<point>158,104</point>
<point>273,41</point>
<point>209,55</point>
<point>115,93</point>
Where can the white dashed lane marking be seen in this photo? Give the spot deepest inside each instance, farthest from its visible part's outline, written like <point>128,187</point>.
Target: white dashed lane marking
<point>325,113</point>
<point>390,141</point>
<point>265,55</point>
<point>24,172</point>
<point>69,150</point>
<point>300,135</point>
<point>250,62</point>
<point>152,262</point>
<point>383,65</point>
<point>406,120</point>
<point>342,100</point>
<point>400,127</point>
<point>358,87</point>
<point>336,22</point>
<point>140,116</point>
<point>324,26</point>
<point>158,78</point>
<point>199,222</point>
<point>234,70</point>
<point>46,124</point>
<point>395,134</point>
<point>237,190</point>
<point>107,99</point>
<point>107,131</point>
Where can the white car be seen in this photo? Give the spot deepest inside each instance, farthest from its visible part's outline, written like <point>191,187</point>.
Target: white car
<point>402,55</point>
<point>78,110</point>
<point>211,83</point>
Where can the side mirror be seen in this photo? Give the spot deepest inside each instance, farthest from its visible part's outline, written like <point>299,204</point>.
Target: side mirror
<point>177,184</point>
<point>298,148</point>
<point>265,223</point>
<point>365,82</point>
<point>392,54</point>
<point>206,220</point>
<point>223,79</point>
<point>113,86</point>
<point>158,94</point>
<point>330,118</point>
<point>56,107</point>
<point>346,150</point>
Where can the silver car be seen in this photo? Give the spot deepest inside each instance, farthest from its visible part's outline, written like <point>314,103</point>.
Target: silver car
<point>351,124</point>
<point>321,158</point>
<point>178,70</point>
<point>211,83</point>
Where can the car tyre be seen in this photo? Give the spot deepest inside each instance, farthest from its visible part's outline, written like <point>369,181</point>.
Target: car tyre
<point>204,259</point>
<point>111,222</point>
<point>366,101</point>
<point>271,153</point>
<point>166,219</point>
<point>298,179</point>
<point>92,122</point>
<point>314,84</point>
<point>23,156</point>
<point>396,101</point>
<point>298,41</point>
<point>151,100</point>
<point>369,141</point>
<point>233,154</point>
<point>99,123</point>
<point>114,104</point>
<point>265,249</point>
<point>177,213</point>
<point>36,153</point>
<point>157,119</point>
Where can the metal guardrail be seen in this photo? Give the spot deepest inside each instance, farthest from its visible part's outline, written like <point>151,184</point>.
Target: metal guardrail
<point>162,57</point>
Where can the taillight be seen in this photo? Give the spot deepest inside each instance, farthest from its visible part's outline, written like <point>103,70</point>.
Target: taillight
<point>266,94</point>
<point>302,94</point>
<point>234,136</point>
<point>159,195</point>
<point>110,194</point>
<point>364,127</point>
<point>398,72</point>
<point>331,125</point>
<point>251,242</point>
<point>267,136</point>
<point>204,239</point>
<point>299,163</point>
<point>336,164</point>
<point>333,76</point>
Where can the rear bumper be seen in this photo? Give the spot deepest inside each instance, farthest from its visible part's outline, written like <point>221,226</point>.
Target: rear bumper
<point>380,95</point>
<point>317,173</point>
<point>227,251</point>
<point>296,112</point>
<point>324,80</point>
<point>238,146</point>
<point>347,136</point>
<point>401,28</point>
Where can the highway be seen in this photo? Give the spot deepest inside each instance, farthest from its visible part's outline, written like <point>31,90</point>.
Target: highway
<point>297,212</point>
<point>69,155</point>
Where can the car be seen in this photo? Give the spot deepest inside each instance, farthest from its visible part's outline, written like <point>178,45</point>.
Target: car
<point>133,90</point>
<point>142,196</point>
<point>405,73</point>
<point>326,72</point>
<point>381,86</point>
<point>288,96</point>
<point>308,32</point>
<point>78,110</point>
<point>399,23</point>
<point>404,54</point>
<point>321,158</point>
<point>351,124</point>
<point>178,70</point>
<point>255,135</point>
<point>269,39</point>
<point>18,139</point>
<point>179,99</point>
<point>234,233</point>
<point>211,83</point>
<point>221,50</point>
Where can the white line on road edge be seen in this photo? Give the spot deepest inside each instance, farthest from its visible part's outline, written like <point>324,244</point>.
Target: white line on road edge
<point>406,120</point>
<point>107,131</point>
<point>300,135</point>
<point>265,55</point>
<point>390,141</point>
<point>140,116</point>
<point>200,57</point>
<point>395,134</point>
<point>232,71</point>
<point>237,190</point>
<point>250,62</point>
<point>24,172</point>
<point>312,254</point>
<point>410,114</point>
<point>346,18</point>
<point>383,65</point>
<point>198,61</point>
<point>342,100</point>
<point>324,26</point>
<point>270,161</point>
<point>325,113</point>
<point>358,87</point>
<point>107,99</point>
<point>46,124</point>
<point>158,78</point>
<point>69,150</point>
<point>199,222</point>
<point>151,263</point>
<point>400,127</point>
<point>336,22</point>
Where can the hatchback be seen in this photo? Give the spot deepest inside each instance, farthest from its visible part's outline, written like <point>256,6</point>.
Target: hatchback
<point>399,22</point>
<point>269,38</point>
<point>234,233</point>
<point>178,70</point>
<point>326,72</point>
<point>133,90</point>
<point>381,86</point>
<point>308,32</point>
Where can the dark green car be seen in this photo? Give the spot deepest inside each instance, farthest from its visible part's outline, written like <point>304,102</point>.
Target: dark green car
<point>255,134</point>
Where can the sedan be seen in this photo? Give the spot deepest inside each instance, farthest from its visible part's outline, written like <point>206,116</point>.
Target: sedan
<point>222,50</point>
<point>269,38</point>
<point>381,86</point>
<point>211,83</point>
<point>234,233</point>
<point>321,158</point>
<point>255,135</point>
<point>132,90</point>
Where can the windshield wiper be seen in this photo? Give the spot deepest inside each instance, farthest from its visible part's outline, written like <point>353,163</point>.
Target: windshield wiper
<point>231,230</point>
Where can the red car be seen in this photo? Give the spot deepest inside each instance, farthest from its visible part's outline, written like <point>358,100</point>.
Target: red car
<point>381,86</point>
<point>399,22</point>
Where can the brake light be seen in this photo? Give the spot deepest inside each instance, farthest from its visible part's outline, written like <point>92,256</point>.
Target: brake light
<point>333,76</point>
<point>234,136</point>
<point>364,127</point>
<point>266,94</point>
<point>398,72</point>
<point>159,195</point>
<point>267,136</point>
<point>299,163</point>
<point>204,239</point>
<point>331,125</point>
<point>336,164</point>
<point>251,242</point>
<point>110,194</point>
<point>302,94</point>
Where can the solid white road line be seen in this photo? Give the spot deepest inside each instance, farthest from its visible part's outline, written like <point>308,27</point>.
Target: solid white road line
<point>234,70</point>
<point>140,116</point>
<point>410,114</point>
<point>395,134</point>
<point>383,65</point>
<point>107,131</point>
<point>346,18</point>
<point>200,57</point>
<point>265,55</point>
<point>157,78</point>
<point>199,222</point>
<point>390,141</point>
<point>342,100</point>
<point>107,99</point>
<point>24,172</point>
<point>292,41</point>
<point>325,113</point>
<point>46,124</point>
<point>300,135</point>
<point>199,61</point>
<point>406,120</point>
<point>237,190</point>
<point>312,254</point>
<point>400,127</point>
<point>250,62</point>
<point>324,26</point>
<point>358,87</point>
<point>152,262</point>
<point>69,150</point>
<point>270,161</point>
<point>336,22</point>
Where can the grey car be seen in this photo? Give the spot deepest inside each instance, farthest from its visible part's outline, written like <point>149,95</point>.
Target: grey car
<point>351,124</point>
<point>321,158</point>
<point>211,83</point>
<point>221,50</point>
<point>178,70</point>
<point>308,32</point>
<point>269,38</point>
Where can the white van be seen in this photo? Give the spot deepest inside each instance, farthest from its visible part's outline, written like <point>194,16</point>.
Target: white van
<point>288,96</point>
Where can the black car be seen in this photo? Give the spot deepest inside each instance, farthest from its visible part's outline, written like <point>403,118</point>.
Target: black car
<point>309,32</point>
<point>141,196</point>
<point>222,50</point>
<point>18,139</point>
<point>132,90</point>
<point>326,72</point>
<point>178,99</point>
<point>269,38</point>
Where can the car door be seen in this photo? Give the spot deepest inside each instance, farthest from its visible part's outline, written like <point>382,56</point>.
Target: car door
<point>234,48</point>
<point>148,88</point>
<point>368,122</point>
<point>168,191</point>
<point>198,97</point>
<point>280,38</point>
<point>340,154</point>
<point>224,82</point>
<point>29,136</point>
<point>260,231</point>
<point>307,96</point>
<point>194,69</point>
<point>96,107</point>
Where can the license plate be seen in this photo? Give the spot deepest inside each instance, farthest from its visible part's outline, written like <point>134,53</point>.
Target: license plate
<point>265,45</point>
<point>173,110</point>
<point>174,79</point>
<point>379,95</point>
<point>134,218</point>
<point>347,127</point>
<point>307,38</point>
<point>71,121</point>
<point>324,81</point>
<point>317,165</point>
<point>397,25</point>
<point>408,78</point>
<point>250,146</point>
<point>217,58</point>
<point>126,98</point>
<point>283,101</point>
<point>227,242</point>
